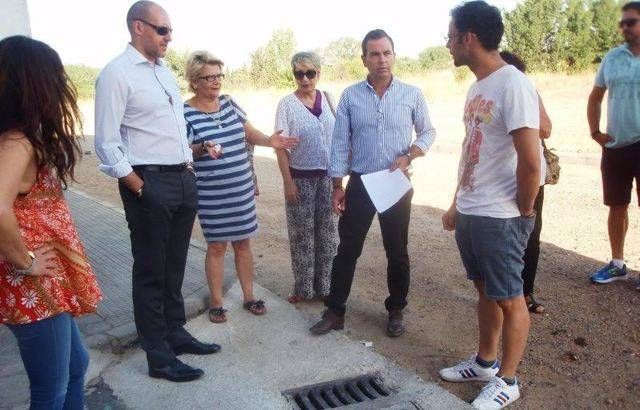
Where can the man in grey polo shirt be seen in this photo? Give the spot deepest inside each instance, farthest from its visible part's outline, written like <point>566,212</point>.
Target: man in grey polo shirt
<point>141,140</point>
<point>619,74</point>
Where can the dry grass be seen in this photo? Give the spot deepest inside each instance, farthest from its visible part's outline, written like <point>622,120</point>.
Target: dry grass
<point>564,96</point>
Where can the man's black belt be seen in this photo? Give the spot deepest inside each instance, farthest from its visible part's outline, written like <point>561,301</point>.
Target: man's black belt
<point>161,168</point>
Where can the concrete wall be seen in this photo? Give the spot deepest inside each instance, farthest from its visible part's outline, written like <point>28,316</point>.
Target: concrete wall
<point>14,18</point>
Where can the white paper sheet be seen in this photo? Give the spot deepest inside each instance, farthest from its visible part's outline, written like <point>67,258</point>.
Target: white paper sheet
<point>386,188</point>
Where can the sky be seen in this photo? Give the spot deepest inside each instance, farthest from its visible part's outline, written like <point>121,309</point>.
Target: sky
<point>92,32</point>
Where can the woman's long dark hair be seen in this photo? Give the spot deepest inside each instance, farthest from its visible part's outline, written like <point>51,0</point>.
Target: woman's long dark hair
<point>38,99</point>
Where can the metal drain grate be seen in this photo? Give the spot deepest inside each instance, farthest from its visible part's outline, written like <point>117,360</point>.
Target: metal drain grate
<point>338,393</point>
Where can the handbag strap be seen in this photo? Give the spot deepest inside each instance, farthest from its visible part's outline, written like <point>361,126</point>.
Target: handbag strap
<point>330,102</point>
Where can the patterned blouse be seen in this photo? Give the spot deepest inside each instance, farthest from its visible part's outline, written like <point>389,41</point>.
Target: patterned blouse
<point>315,133</point>
<point>44,217</point>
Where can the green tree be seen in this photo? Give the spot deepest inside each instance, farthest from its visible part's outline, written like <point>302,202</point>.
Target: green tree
<point>574,40</point>
<point>176,61</point>
<point>270,65</point>
<point>530,31</point>
<point>342,49</point>
<point>83,79</point>
<point>407,65</point>
<point>435,58</point>
<point>605,26</point>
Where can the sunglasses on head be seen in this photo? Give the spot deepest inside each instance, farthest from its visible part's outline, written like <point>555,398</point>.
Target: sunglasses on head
<point>161,30</point>
<point>628,22</point>
<point>212,78</point>
<point>310,74</point>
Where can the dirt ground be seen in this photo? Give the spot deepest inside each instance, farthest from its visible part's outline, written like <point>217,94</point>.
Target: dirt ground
<point>584,353</point>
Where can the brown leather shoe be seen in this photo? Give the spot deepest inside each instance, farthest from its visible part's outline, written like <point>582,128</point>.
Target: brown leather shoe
<point>395,327</point>
<point>330,321</point>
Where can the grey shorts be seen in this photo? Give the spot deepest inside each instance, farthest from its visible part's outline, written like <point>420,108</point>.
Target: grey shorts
<point>491,250</point>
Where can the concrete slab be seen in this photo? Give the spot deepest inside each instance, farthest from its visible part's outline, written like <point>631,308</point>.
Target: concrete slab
<point>103,230</point>
<point>260,358</point>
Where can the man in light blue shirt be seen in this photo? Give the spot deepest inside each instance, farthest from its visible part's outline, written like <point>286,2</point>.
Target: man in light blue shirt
<point>374,127</point>
<point>619,74</point>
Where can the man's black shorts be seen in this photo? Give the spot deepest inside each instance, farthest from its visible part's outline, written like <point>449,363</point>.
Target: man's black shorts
<point>619,167</point>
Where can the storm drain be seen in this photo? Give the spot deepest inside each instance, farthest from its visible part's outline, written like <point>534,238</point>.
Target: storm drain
<point>339,393</point>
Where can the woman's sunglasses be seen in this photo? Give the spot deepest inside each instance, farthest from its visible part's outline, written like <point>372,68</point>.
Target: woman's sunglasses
<point>161,30</point>
<point>310,74</point>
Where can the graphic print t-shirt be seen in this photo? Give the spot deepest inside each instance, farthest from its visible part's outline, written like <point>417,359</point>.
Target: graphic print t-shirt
<point>496,105</point>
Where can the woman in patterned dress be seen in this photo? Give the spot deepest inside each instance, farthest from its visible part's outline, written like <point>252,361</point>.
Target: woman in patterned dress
<point>312,226</point>
<point>45,279</point>
<point>218,131</point>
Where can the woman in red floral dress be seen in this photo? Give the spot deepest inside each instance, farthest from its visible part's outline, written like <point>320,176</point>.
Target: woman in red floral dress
<point>45,278</point>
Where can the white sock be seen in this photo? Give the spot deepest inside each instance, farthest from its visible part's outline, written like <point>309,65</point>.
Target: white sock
<point>618,263</point>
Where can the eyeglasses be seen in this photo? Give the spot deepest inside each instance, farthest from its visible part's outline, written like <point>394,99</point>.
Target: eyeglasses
<point>628,22</point>
<point>310,74</point>
<point>161,30</point>
<point>212,78</point>
<point>455,36</point>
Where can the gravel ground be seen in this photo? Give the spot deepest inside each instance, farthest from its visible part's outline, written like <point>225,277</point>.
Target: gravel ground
<point>584,353</point>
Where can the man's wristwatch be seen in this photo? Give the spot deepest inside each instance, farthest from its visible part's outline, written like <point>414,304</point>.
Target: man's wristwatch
<point>28,269</point>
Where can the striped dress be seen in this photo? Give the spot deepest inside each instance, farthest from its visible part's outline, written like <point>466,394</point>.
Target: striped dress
<point>226,201</point>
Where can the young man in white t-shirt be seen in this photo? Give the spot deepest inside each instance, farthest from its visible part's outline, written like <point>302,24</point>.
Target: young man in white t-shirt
<point>492,211</point>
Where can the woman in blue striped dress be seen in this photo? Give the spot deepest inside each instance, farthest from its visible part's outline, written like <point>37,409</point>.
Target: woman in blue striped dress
<point>218,132</point>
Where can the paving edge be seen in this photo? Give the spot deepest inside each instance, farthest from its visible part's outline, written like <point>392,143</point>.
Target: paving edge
<point>123,337</point>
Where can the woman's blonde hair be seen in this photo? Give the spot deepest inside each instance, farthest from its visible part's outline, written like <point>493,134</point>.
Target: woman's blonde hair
<point>196,61</point>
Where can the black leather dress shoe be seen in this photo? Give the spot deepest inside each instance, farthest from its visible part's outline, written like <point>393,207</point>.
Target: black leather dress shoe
<point>395,327</point>
<point>176,371</point>
<point>330,321</point>
<point>196,347</point>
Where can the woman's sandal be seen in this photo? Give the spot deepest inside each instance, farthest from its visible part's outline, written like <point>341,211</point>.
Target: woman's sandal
<point>294,299</point>
<point>217,315</point>
<point>256,307</point>
<point>533,306</point>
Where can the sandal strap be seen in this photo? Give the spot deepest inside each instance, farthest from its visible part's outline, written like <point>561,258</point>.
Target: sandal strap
<point>217,311</point>
<point>254,304</point>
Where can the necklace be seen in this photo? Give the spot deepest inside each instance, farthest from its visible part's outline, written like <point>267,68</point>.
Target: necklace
<point>215,117</point>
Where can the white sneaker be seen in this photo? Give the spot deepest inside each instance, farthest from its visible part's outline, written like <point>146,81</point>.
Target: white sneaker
<point>469,370</point>
<point>496,395</point>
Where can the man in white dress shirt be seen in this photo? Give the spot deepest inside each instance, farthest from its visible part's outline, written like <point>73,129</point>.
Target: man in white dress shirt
<point>141,140</point>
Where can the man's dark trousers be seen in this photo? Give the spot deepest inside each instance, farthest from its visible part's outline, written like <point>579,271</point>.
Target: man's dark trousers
<point>352,229</point>
<point>160,224</point>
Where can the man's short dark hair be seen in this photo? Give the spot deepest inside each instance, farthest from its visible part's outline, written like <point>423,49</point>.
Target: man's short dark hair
<point>632,5</point>
<point>483,20</point>
<point>376,34</point>
<point>514,60</point>
<point>138,10</point>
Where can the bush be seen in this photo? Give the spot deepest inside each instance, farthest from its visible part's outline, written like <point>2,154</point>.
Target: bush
<point>460,74</point>
<point>270,65</point>
<point>83,79</point>
<point>176,61</point>
<point>407,65</point>
<point>435,58</point>
<point>345,70</point>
